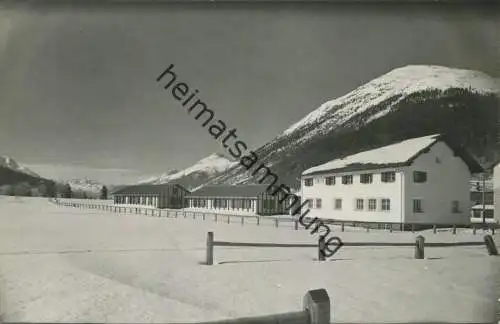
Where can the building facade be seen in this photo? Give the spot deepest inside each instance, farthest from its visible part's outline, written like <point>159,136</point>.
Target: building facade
<point>158,196</point>
<point>417,181</point>
<point>237,198</point>
<point>496,191</point>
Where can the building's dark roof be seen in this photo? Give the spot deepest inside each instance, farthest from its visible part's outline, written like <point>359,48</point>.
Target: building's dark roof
<point>395,155</point>
<point>230,191</point>
<point>147,188</point>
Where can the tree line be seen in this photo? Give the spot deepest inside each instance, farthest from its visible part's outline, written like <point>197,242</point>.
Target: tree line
<point>50,189</point>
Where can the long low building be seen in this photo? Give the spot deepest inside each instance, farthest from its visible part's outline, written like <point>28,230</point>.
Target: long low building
<point>159,196</point>
<point>245,198</point>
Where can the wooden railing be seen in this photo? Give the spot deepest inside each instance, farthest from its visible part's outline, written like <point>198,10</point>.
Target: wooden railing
<point>180,213</point>
<point>264,220</point>
<point>419,246</point>
<point>316,310</point>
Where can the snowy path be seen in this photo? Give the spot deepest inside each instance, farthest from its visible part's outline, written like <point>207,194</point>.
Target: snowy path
<point>64,264</point>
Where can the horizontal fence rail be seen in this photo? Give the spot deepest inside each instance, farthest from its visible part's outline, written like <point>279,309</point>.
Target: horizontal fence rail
<point>419,246</point>
<point>316,310</point>
<point>275,221</point>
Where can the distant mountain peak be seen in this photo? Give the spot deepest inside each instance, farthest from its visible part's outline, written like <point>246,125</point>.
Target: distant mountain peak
<point>85,184</point>
<point>8,162</point>
<point>196,174</point>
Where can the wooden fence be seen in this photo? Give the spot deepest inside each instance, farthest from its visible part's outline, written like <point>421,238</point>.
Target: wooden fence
<point>316,310</point>
<point>180,213</point>
<point>264,220</point>
<point>419,246</point>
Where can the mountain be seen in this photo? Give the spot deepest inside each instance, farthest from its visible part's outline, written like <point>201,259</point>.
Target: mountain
<point>196,174</point>
<point>10,163</point>
<point>18,180</point>
<point>407,102</point>
<point>85,185</point>
<point>159,178</point>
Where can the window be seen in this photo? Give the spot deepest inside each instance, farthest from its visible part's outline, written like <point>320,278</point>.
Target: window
<point>417,206</point>
<point>389,176</point>
<point>238,203</point>
<point>318,203</point>
<point>309,203</point>
<point>247,204</point>
<point>386,204</point>
<point>419,176</point>
<point>366,178</point>
<point>455,207</point>
<point>308,182</point>
<point>347,179</point>
<point>359,204</point>
<point>330,181</point>
<point>372,204</point>
<point>338,204</point>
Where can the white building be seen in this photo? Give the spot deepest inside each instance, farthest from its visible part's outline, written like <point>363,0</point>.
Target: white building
<point>423,180</point>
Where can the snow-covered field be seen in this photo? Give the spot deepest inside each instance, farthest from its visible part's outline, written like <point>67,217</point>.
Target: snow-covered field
<point>67,264</point>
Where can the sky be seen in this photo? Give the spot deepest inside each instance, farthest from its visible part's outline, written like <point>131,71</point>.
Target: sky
<point>78,90</point>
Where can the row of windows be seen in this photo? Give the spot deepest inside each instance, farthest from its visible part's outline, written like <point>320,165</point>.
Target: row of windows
<point>385,204</point>
<point>389,176</point>
<point>223,203</point>
<point>371,204</point>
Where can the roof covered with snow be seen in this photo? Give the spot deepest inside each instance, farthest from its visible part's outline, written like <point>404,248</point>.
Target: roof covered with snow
<point>394,155</point>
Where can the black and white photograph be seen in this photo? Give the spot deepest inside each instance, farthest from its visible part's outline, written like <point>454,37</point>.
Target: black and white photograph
<point>249,162</point>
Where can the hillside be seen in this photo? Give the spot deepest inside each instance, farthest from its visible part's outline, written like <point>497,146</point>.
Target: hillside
<point>197,174</point>
<point>408,102</point>
<point>10,163</point>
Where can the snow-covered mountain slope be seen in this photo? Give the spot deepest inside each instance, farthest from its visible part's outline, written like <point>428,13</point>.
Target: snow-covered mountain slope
<point>8,162</point>
<point>411,101</point>
<point>159,179</point>
<point>86,185</point>
<point>399,82</point>
<point>196,174</point>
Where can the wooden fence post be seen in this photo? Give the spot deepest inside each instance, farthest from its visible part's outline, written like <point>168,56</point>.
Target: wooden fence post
<point>493,230</point>
<point>454,230</point>
<point>203,215</point>
<point>342,226</point>
<point>296,225</point>
<point>321,248</point>
<point>490,245</point>
<point>434,229</point>
<point>276,222</point>
<point>474,229</point>
<point>215,217</point>
<point>419,247</point>
<point>210,248</point>
<point>367,228</point>
<point>242,220</point>
<point>317,305</point>
<point>258,220</point>
<point>412,228</point>
<point>228,219</point>
<point>390,228</point>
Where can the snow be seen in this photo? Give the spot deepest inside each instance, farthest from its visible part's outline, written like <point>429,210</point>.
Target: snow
<point>211,165</point>
<point>85,184</point>
<point>10,163</point>
<point>400,81</point>
<point>395,153</point>
<point>63,264</point>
